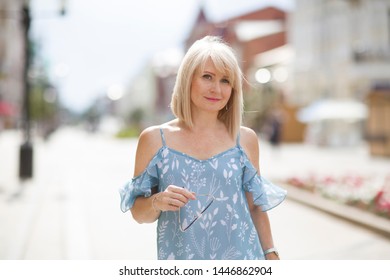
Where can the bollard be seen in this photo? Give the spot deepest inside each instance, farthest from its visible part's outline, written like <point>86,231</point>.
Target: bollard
<point>26,161</point>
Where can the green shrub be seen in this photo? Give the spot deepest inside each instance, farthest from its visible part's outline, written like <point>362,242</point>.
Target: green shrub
<point>128,132</point>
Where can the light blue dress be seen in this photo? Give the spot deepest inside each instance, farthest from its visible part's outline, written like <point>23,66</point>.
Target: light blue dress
<point>218,224</point>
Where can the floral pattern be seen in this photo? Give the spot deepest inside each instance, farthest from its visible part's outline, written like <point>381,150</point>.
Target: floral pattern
<point>225,230</point>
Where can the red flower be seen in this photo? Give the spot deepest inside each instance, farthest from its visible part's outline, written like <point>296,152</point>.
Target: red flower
<point>382,201</point>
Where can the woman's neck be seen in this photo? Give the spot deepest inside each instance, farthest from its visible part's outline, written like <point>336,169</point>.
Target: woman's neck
<point>206,122</point>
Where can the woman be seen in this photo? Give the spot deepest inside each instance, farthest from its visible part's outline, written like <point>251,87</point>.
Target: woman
<point>198,174</point>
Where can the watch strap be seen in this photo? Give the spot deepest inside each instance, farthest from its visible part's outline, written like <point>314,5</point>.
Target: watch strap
<point>271,250</point>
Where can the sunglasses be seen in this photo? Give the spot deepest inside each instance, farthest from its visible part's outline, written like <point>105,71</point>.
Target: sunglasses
<point>184,226</point>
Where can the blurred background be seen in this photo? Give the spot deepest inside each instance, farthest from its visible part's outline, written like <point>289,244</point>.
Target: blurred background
<point>79,80</point>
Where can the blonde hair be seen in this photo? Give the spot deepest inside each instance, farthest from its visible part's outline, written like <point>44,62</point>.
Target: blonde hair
<point>225,61</point>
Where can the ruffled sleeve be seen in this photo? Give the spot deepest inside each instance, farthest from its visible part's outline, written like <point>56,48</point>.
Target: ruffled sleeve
<point>141,185</point>
<point>265,194</point>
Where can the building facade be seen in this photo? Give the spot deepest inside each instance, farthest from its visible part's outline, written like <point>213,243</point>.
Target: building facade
<point>260,39</point>
<point>342,48</point>
<point>341,52</point>
<point>11,63</point>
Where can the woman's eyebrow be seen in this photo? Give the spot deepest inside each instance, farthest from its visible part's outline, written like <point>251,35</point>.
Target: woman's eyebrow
<point>209,72</point>
<point>212,73</point>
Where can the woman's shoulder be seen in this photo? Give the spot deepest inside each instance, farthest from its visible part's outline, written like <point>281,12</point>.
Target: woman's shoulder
<point>149,143</point>
<point>173,125</point>
<point>152,136</point>
<point>249,141</point>
<point>248,136</point>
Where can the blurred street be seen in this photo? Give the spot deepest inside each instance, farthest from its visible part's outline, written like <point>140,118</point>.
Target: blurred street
<point>70,209</point>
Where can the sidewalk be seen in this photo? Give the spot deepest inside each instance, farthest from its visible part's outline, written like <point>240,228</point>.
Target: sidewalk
<point>302,160</point>
<point>70,209</point>
<point>351,214</point>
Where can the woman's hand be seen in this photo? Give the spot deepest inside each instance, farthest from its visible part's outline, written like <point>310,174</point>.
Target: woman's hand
<point>172,198</point>
<point>272,256</point>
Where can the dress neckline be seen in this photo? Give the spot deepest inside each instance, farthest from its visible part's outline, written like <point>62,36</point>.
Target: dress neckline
<point>220,154</point>
<point>165,146</point>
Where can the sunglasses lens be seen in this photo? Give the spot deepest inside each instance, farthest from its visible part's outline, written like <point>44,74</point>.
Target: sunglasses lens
<point>193,210</point>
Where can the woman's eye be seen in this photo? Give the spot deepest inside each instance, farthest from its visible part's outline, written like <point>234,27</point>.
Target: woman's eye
<point>207,76</point>
<point>225,81</point>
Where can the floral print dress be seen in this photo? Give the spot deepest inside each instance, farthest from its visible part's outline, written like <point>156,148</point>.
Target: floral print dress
<point>218,224</point>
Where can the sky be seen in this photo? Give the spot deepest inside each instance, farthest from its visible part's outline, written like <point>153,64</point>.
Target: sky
<point>101,43</point>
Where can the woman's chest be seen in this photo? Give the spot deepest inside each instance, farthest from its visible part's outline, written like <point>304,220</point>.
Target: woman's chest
<point>200,147</point>
<point>224,169</point>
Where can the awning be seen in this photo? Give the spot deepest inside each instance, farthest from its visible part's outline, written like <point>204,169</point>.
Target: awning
<point>280,55</point>
<point>333,109</point>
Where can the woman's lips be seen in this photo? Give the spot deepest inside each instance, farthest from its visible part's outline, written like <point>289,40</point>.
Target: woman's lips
<point>212,99</point>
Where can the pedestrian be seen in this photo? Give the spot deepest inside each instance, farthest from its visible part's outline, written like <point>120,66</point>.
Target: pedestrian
<point>274,125</point>
<point>198,175</point>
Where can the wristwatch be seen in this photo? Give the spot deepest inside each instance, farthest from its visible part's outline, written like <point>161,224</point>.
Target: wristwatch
<point>271,250</point>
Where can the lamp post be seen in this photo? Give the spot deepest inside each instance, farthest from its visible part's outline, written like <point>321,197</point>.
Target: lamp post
<point>26,149</point>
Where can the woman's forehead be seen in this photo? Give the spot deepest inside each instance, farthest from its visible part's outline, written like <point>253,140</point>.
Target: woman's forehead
<point>215,67</point>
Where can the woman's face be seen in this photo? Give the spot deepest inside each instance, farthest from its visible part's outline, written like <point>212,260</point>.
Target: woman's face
<point>210,89</point>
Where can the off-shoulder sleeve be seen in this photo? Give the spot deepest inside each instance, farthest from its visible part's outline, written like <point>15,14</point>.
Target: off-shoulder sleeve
<point>265,194</point>
<point>140,185</point>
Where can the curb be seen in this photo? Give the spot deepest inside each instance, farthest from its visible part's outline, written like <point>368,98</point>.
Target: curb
<point>351,214</point>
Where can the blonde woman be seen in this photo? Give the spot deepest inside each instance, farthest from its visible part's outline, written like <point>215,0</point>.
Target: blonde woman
<point>198,175</point>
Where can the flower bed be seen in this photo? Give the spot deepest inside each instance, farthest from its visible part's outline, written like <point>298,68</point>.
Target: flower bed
<point>367,193</point>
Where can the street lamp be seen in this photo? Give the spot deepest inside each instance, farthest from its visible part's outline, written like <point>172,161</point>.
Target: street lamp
<point>26,149</point>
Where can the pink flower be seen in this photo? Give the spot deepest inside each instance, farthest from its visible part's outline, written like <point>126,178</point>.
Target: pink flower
<point>382,201</point>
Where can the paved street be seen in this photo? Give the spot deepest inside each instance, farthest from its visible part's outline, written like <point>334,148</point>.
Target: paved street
<point>70,210</point>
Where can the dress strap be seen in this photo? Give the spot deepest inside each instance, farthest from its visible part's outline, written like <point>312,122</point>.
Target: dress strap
<point>162,137</point>
<point>238,140</point>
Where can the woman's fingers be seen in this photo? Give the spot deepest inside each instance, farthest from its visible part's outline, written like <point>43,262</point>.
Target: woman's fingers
<point>179,190</point>
<point>173,198</point>
<point>166,202</point>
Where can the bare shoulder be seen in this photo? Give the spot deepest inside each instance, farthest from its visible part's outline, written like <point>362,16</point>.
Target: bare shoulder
<point>250,143</point>
<point>171,126</point>
<point>149,142</point>
<point>248,138</point>
<point>150,138</point>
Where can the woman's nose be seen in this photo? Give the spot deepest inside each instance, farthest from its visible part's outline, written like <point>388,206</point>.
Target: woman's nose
<point>216,87</point>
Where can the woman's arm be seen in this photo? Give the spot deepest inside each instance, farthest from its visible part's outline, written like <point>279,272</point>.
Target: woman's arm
<point>148,144</point>
<point>148,209</point>
<point>263,227</point>
<point>250,143</point>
